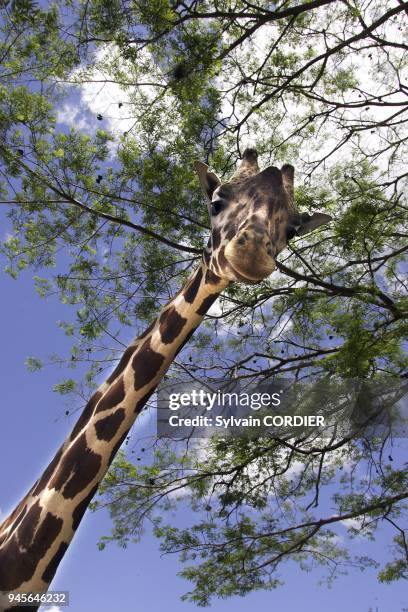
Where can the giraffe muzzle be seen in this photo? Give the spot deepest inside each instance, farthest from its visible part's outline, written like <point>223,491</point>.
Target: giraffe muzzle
<point>250,255</point>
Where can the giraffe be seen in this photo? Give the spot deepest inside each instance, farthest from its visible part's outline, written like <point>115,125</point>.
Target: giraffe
<point>252,218</point>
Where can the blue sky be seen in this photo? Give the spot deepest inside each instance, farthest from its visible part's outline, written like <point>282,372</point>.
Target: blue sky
<point>138,578</point>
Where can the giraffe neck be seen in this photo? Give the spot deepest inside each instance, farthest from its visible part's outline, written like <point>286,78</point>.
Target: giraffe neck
<point>34,538</point>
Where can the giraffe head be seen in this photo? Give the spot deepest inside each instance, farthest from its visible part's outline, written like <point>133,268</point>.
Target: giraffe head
<point>252,219</point>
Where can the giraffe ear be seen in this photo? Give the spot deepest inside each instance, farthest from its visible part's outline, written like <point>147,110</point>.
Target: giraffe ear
<point>304,223</point>
<point>208,180</point>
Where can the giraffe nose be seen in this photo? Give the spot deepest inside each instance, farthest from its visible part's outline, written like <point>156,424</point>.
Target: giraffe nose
<point>250,253</point>
<point>248,237</point>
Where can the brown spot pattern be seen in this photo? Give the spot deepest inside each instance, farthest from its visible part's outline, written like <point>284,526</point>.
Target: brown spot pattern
<point>52,567</point>
<point>36,544</point>
<point>171,324</point>
<point>124,360</point>
<point>42,483</point>
<point>86,414</point>
<point>211,278</point>
<point>146,364</point>
<point>27,529</point>
<point>206,303</point>
<point>273,204</point>
<point>107,427</point>
<point>232,215</point>
<point>191,290</point>
<point>216,238</point>
<point>79,466</point>
<point>186,339</point>
<point>230,231</point>
<point>143,400</point>
<point>79,511</point>
<point>113,396</point>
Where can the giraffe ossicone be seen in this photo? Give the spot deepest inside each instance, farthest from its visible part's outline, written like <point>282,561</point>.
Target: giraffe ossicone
<point>252,218</point>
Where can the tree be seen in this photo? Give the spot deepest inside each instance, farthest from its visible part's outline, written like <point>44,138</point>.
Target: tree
<point>319,84</point>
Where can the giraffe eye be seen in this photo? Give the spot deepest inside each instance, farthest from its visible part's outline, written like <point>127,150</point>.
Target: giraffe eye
<point>217,206</point>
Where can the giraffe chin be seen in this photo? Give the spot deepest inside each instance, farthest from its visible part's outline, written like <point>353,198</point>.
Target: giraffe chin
<point>249,262</point>
<point>252,276</point>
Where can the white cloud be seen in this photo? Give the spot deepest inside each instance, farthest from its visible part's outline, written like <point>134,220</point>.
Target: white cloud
<point>121,104</point>
<point>354,523</point>
<point>337,539</point>
<point>295,469</point>
<point>73,115</point>
<point>356,527</point>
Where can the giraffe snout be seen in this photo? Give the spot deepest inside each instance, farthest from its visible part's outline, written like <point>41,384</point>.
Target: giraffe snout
<point>250,254</point>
